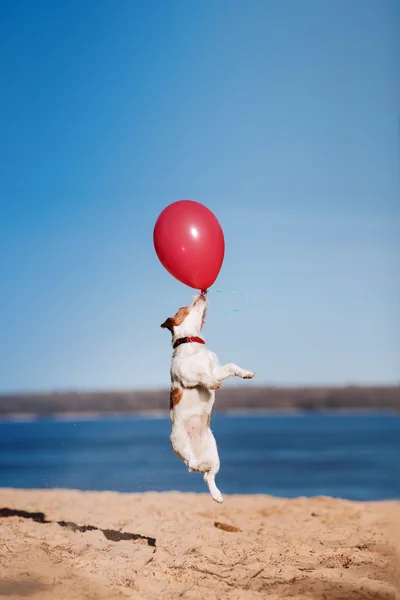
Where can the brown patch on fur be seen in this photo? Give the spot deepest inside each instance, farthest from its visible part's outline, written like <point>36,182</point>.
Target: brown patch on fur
<point>176,320</point>
<point>180,316</point>
<point>208,420</point>
<point>175,397</point>
<point>226,527</point>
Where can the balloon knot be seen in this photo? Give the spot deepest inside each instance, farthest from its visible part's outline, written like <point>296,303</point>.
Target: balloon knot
<point>203,292</point>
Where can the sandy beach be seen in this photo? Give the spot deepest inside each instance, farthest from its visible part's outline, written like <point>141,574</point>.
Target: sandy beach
<point>67,545</point>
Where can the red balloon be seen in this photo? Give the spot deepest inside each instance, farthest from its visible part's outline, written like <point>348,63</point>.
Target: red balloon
<point>189,243</point>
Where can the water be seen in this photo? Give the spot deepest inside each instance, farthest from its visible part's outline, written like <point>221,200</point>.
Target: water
<point>355,457</point>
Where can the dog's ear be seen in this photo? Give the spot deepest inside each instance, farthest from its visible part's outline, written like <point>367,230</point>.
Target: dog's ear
<point>168,324</point>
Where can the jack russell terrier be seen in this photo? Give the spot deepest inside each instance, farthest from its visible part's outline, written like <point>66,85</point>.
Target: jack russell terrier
<point>195,375</point>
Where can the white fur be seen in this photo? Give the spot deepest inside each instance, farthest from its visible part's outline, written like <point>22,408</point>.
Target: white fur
<point>196,373</point>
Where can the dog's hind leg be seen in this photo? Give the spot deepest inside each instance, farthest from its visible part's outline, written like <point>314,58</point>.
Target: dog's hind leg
<point>182,446</point>
<point>209,478</point>
<point>211,459</point>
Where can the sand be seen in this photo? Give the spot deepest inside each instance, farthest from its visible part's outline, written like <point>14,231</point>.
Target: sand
<point>317,548</point>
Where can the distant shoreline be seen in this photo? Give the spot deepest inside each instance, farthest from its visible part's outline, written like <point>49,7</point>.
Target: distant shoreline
<point>232,400</point>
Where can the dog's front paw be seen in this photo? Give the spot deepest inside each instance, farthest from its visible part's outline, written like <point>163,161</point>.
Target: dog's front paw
<point>248,375</point>
<point>215,386</point>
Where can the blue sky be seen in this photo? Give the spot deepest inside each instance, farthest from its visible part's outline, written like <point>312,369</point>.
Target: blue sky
<point>282,117</point>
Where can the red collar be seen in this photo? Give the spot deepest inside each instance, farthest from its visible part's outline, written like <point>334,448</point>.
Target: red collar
<point>185,340</point>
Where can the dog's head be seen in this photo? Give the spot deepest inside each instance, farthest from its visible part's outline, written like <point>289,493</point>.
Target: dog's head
<point>189,320</point>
